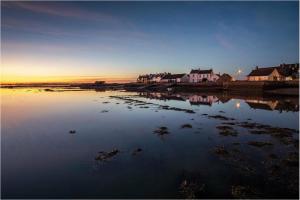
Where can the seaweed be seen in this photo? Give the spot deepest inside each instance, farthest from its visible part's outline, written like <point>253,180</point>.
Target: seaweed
<point>292,160</point>
<point>220,117</point>
<point>227,131</point>
<point>191,189</point>
<point>243,192</point>
<point>104,156</point>
<point>259,144</point>
<point>221,151</point>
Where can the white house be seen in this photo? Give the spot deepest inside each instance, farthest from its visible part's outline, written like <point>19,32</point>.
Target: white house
<point>197,75</point>
<point>175,78</point>
<point>156,78</point>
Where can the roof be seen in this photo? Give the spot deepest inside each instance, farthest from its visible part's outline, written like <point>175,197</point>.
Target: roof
<point>143,76</point>
<point>226,75</point>
<point>173,76</point>
<point>283,69</point>
<point>262,71</point>
<point>198,71</point>
<point>157,75</point>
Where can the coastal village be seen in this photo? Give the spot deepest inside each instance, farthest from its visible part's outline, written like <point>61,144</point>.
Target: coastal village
<point>277,80</point>
<point>283,72</point>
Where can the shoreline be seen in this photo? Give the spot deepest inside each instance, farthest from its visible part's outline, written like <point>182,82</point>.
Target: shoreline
<point>283,88</point>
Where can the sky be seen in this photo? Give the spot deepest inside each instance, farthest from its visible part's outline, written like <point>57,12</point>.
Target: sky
<point>116,41</point>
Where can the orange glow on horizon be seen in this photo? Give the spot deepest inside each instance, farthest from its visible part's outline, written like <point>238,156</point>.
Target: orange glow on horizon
<point>63,79</point>
<point>22,68</point>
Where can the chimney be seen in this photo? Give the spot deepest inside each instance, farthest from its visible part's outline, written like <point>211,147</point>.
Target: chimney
<point>256,67</point>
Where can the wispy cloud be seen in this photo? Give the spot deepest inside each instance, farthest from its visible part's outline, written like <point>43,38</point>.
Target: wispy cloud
<point>95,24</point>
<point>35,26</point>
<point>224,36</point>
<point>224,42</point>
<point>64,10</point>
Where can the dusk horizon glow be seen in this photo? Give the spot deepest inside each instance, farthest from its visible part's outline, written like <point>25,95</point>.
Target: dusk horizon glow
<point>117,41</point>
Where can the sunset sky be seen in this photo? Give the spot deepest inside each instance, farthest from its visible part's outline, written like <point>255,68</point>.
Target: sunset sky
<point>115,41</point>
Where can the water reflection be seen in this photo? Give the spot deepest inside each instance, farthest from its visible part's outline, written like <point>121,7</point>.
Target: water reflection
<point>238,105</point>
<point>255,102</point>
<point>187,142</point>
<point>202,100</point>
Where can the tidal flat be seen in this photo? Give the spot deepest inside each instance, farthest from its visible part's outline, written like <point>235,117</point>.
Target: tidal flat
<point>117,144</point>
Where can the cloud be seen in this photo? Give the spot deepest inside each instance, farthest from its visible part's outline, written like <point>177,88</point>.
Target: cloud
<point>224,35</point>
<point>64,10</point>
<point>97,24</point>
<point>36,27</point>
<point>224,42</point>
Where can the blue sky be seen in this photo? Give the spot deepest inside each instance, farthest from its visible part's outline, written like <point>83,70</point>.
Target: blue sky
<point>123,39</point>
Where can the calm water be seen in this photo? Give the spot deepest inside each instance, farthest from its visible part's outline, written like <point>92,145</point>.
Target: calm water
<point>41,159</point>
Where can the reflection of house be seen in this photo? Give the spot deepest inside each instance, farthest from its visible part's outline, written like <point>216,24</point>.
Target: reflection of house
<point>162,96</point>
<point>281,105</point>
<point>282,72</point>
<point>265,105</point>
<point>202,100</point>
<point>175,78</point>
<point>197,75</point>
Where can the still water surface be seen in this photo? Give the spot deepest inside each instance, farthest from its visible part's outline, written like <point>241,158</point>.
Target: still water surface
<point>41,159</point>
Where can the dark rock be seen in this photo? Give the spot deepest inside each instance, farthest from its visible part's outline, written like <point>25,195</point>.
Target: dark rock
<point>273,156</point>
<point>224,127</point>
<point>144,106</point>
<point>186,126</point>
<point>162,130</point>
<point>229,123</point>
<point>136,151</point>
<point>220,117</point>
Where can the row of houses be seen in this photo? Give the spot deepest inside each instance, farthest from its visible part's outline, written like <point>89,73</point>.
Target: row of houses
<point>209,100</point>
<point>195,76</point>
<point>284,72</point>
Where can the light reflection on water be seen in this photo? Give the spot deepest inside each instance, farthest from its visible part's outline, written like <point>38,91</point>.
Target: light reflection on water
<point>41,159</point>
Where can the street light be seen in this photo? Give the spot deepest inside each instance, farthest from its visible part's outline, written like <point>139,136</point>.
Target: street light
<point>239,71</point>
